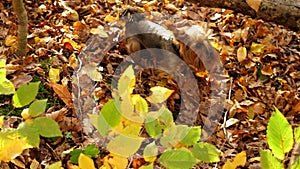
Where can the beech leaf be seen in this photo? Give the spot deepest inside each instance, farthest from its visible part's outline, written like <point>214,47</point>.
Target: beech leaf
<point>279,134</point>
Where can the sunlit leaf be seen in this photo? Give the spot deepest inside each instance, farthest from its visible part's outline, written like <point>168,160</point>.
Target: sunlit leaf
<point>112,161</point>
<point>1,121</point>
<point>124,146</point>
<point>26,129</point>
<point>85,162</point>
<point>11,145</point>
<point>37,107</point>
<point>241,54</point>
<point>149,166</point>
<point>279,134</point>
<point>268,161</point>
<point>110,18</point>
<point>11,40</point>
<point>26,94</point>
<point>140,104</point>
<point>56,165</point>
<point>257,48</point>
<point>159,94</point>
<point>192,137</point>
<point>174,135</point>
<point>6,87</point>
<point>126,82</point>
<point>239,160</point>
<point>297,134</point>
<point>54,75</point>
<point>178,159</point>
<point>47,127</point>
<point>150,152</point>
<point>206,152</point>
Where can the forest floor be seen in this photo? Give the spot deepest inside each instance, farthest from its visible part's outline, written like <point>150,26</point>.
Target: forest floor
<point>261,64</point>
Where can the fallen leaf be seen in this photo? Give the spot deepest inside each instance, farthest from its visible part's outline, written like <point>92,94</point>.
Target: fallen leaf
<point>62,92</point>
<point>254,4</point>
<point>241,54</point>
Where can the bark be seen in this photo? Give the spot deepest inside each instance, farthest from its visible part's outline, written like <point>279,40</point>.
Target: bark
<point>22,26</point>
<point>283,12</point>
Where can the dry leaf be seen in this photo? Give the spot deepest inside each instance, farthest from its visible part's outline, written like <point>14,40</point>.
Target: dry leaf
<point>11,40</point>
<point>241,54</point>
<point>254,4</point>
<point>62,92</point>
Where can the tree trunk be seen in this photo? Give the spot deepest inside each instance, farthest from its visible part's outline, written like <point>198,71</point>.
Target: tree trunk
<point>22,26</point>
<point>284,12</point>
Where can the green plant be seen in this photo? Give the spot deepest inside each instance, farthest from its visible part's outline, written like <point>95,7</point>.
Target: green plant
<point>281,140</point>
<point>90,150</point>
<point>27,135</point>
<point>126,117</point>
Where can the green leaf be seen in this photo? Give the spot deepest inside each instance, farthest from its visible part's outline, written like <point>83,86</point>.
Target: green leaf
<point>178,159</point>
<point>165,117</point>
<point>279,134</point>
<point>37,107</point>
<point>91,150</point>
<point>56,165</point>
<point>124,146</point>
<point>297,134</point>
<point>192,137</point>
<point>206,152</point>
<point>150,152</point>
<point>296,165</point>
<point>25,94</point>
<point>126,82</point>
<point>28,130</point>
<point>111,113</point>
<point>2,70</point>
<point>174,135</point>
<point>157,121</point>
<point>108,118</point>
<point>268,161</point>
<point>6,87</point>
<point>153,128</point>
<point>74,155</point>
<point>47,127</point>
<point>149,166</point>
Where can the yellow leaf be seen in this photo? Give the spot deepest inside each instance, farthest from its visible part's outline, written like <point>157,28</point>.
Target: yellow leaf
<point>85,162</point>
<point>159,94</point>
<point>140,104</point>
<point>56,165</point>
<point>25,114</point>
<point>239,160</point>
<point>1,121</point>
<point>10,40</point>
<point>241,54</point>
<point>11,145</point>
<point>109,18</point>
<point>254,4</point>
<point>257,48</point>
<point>54,75</point>
<point>118,162</point>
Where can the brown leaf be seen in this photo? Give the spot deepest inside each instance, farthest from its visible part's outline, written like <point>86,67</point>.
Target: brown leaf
<point>267,70</point>
<point>20,79</point>
<point>254,4</point>
<point>62,92</point>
